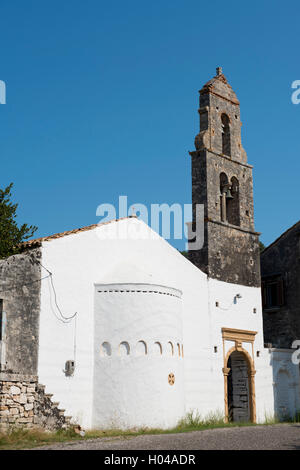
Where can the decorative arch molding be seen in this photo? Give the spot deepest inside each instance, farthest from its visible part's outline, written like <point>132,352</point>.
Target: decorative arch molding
<point>284,368</point>
<point>157,349</point>
<point>170,349</point>
<point>141,348</point>
<point>224,112</point>
<point>105,349</point>
<point>239,337</point>
<point>124,349</point>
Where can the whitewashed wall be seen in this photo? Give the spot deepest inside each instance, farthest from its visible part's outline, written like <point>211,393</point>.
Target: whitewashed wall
<point>85,260</point>
<point>139,327</point>
<point>239,313</point>
<point>203,332</point>
<point>78,263</point>
<point>286,383</point>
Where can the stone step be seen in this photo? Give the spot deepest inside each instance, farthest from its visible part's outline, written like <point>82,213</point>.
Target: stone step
<point>49,395</point>
<point>40,410</point>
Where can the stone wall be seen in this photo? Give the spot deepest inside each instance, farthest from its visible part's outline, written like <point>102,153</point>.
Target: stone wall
<point>20,284</point>
<point>282,258</point>
<point>24,403</point>
<point>229,254</point>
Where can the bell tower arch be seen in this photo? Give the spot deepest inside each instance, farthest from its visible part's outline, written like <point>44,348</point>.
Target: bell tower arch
<point>222,181</point>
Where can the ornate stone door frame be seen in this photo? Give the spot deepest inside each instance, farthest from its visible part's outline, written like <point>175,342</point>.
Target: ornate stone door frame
<point>239,337</point>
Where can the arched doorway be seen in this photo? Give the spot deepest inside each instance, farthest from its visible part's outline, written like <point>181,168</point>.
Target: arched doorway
<point>239,375</point>
<point>239,386</point>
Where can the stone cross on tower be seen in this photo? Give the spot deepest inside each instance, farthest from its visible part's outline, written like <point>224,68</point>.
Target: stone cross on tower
<point>222,181</point>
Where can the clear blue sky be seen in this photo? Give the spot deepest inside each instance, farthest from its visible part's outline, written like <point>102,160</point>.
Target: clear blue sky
<point>102,101</point>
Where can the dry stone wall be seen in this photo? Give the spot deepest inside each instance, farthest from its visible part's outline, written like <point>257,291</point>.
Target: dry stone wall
<point>24,403</point>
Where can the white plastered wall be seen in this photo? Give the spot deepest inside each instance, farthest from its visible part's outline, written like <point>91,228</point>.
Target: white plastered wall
<point>131,386</point>
<point>204,364</point>
<point>286,383</point>
<point>79,262</point>
<point>84,260</point>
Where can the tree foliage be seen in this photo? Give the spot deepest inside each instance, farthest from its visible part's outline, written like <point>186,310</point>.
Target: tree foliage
<point>11,236</point>
<point>261,246</point>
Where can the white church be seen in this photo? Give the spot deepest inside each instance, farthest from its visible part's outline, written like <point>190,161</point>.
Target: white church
<point>130,333</point>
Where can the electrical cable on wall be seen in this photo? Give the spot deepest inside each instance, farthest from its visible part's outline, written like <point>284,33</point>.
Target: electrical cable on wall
<point>63,318</point>
<point>237,296</point>
<point>23,284</point>
<point>227,308</point>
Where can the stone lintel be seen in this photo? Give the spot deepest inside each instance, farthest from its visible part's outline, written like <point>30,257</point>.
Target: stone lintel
<point>10,377</point>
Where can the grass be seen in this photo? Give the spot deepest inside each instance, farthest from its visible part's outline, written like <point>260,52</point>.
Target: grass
<point>273,419</point>
<point>25,439</point>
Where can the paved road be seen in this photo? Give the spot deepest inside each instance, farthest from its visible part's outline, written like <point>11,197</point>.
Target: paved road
<point>275,437</point>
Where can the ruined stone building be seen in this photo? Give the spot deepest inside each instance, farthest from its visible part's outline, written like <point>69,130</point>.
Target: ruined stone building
<point>112,326</point>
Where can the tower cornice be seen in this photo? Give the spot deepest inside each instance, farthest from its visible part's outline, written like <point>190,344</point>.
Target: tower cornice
<point>230,226</point>
<point>209,90</point>
<point>221,155</point>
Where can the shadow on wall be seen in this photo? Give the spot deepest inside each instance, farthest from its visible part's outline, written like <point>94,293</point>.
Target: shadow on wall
<point>286,386</point>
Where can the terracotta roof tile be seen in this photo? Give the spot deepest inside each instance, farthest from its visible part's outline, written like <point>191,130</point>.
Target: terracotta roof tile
<point>38,241</point>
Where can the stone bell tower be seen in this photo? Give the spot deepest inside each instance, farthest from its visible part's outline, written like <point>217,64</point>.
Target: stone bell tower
<point>222,181</point>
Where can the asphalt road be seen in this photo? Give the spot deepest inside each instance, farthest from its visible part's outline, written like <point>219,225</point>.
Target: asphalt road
<point>274,437</point>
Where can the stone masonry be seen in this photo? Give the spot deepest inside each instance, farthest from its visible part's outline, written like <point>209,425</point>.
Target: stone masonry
<point>20,285</point>
<point>282,260</point>
<point>231,245</point>
<point>24,403</point>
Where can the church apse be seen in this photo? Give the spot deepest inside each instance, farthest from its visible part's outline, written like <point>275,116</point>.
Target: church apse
<point>138,369</point>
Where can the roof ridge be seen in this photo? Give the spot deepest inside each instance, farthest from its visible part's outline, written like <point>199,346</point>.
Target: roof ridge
<point>281,236</point>
<point>220,78</point>
<point>37,241</point>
